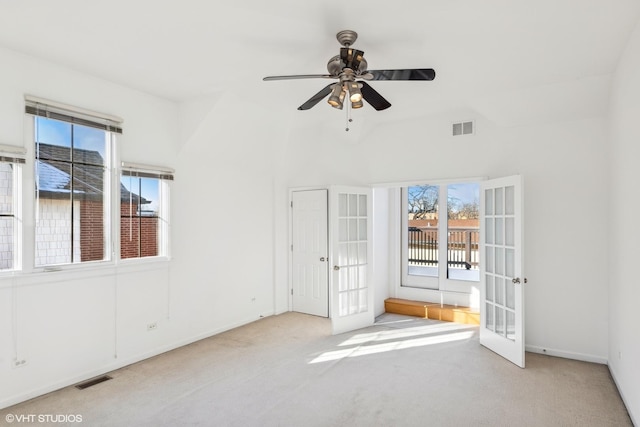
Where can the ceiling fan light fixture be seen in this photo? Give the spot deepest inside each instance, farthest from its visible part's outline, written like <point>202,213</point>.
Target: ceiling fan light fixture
<point>357,104</point>
<point>354,92</point>
<point>336,98</point>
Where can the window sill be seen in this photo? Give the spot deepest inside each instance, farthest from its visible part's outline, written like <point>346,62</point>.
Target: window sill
<point>70,272</point>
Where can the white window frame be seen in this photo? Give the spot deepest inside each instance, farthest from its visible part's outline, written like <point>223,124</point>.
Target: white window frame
<point>16,157</point>
<point>165,177</point>
<point>29,197</point>
<point>431,283</point>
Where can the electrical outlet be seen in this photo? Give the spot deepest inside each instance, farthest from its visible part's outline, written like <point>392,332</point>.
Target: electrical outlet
<point>152,326</point>
<point>19,363</point>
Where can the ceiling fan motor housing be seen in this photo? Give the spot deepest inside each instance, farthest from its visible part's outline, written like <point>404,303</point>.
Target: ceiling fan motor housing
<point>336,65</point>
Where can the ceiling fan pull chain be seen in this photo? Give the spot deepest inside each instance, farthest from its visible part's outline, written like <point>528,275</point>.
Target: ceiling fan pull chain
<point>348,116</point>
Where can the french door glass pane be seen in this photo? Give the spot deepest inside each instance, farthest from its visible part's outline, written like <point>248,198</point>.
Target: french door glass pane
<point>353,254</point>
<point>362,253</point>
<point>489,287</point>
<point>353,229</point>
<point>509,262</point>
<point>489,230</point>
<point>343,236</point>
<point>499,261</point>
<point>342,205</point>
<point>511,294</point>
<point>343,254</point>
<point>489,317</point>
<point>489,261</point>
<point>509,202</point>
<point>511,325</point>
<point>362,205</point>
<point>509,231</point>
<point>353,205</point>
<point>500,325</point>
<point>499,201</point>
<point>488,201</point>
<point>499,231</point>
<point>499,295</point>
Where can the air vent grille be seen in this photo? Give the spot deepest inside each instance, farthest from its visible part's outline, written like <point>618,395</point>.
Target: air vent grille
<point>93,382</point>
<point>463,128</point>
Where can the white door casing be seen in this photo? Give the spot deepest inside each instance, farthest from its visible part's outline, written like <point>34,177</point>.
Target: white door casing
<point>310,286</point>
<point>350,225</point>
<point>501,269</point>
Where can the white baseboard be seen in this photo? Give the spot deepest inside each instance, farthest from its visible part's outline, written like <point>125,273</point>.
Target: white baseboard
<point>567,354</point>
<point>625,401</point>
<point>121,363</point>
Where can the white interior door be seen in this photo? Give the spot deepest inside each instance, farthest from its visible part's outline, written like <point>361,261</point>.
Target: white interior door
<point>501,272</point>
<point>310,284</point>
<point>350,211</point>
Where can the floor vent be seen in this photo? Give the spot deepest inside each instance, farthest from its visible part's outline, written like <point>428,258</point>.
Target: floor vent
<point>93,382</point>
<point>463,128</point>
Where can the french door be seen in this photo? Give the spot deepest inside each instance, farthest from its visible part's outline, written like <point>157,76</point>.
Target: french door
<point>350,210</point>
<point>501,272</point>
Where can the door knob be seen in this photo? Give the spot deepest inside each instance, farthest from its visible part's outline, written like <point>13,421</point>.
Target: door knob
<point>516,280</point>
<point>322,258</point>
<point>336,268</point>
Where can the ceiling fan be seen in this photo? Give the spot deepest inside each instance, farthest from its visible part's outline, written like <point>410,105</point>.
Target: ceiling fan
<point>350,69</point>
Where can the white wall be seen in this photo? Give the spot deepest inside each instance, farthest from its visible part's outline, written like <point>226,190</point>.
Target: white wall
<point>224,199</point>
<point>564,173</point>
<point>381,250</point>
<point>624,222</point>
<point>71,325</point>
<point>227,251</point>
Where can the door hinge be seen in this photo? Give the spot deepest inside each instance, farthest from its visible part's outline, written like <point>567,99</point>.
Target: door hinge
<point>291,248</point>
<point>291,291</point>
<point>292,204</point>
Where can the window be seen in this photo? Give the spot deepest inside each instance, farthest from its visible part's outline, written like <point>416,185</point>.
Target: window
<point>72,166</point>
<point>422,230</point>
<point>143,213</point>
<point>9,206</point>
<point>427,240</point>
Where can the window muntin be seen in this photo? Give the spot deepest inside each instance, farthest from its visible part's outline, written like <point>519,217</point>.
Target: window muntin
<point>72,192</point>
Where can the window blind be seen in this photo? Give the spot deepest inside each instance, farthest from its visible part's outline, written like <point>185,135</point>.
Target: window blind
<point>12,154</point>
<point>54,110</point>
<point>11,159</point>
<point>146,171</point>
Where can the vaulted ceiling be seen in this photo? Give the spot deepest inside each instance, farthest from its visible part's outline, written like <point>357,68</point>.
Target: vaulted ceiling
<point>511,61</point>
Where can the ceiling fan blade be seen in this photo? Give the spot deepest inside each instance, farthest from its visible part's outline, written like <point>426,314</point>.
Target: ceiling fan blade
<point>316,98</point>
<point>299,76</point>
<point>408,74</point>
<point>374,98</point>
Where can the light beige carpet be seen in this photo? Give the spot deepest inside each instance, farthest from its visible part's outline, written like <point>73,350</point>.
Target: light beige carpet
<point>288,370</point>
